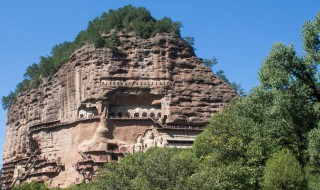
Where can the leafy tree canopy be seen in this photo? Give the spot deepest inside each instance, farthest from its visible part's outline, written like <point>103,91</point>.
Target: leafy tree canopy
<point>31,186</point>
<point>159,168</point>
<point>237,87</point>
<point>283,171</point>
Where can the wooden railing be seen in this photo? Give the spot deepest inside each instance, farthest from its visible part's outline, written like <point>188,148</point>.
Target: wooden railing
<point>55,124</point>
<point>180,144</point>
<point>188,127</point>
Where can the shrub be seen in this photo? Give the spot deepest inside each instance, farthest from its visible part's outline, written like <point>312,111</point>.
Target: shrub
<point>283,171</point>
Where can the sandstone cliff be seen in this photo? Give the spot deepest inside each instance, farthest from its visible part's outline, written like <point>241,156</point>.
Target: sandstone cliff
<point>70,111</point>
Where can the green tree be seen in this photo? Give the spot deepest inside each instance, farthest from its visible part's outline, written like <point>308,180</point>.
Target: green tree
<point>245,135</point>
<point>159,168</point>
<point>166,25</point>
<point>190,41</point>
<point>33,74</point>
<point>112,42</point>
<point>283,171</point>
<point>312,170</point>
<point>23,86</point>
<point>222,176</point>
<point>284,68</point>
<point>229,149</point>
<point>61,54</point>
<point>8,100</point>
<point>31,186</point>
<point>314,147</point>
<point>237,87</point>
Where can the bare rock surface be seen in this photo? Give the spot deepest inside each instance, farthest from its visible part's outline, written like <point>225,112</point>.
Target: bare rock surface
<point>149,92</point>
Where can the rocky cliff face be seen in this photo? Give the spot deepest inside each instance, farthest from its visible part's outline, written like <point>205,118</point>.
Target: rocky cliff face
<point>79,106</point>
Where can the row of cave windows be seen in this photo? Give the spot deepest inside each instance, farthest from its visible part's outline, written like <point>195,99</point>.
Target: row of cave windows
<point>135,115</point>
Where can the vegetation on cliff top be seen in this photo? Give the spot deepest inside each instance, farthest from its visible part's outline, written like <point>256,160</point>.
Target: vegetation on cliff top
<point>126,19</point>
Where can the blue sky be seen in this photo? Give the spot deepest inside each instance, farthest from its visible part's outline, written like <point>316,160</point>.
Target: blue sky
<point>238,33</point>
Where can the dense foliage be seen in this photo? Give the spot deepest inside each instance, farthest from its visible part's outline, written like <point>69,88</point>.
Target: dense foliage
<point>157,169</point>
<point>31,186</point>
<point>126,19</point>
<point>237,87</point>
<point>283,171</point>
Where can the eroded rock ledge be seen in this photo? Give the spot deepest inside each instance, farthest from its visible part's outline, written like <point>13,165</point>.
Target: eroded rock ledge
<point>102,105</point>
